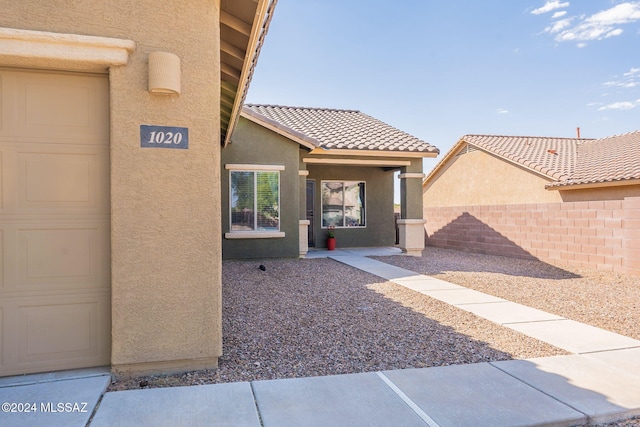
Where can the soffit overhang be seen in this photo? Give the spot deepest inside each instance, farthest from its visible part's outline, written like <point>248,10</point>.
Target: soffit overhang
<point>243,27</point>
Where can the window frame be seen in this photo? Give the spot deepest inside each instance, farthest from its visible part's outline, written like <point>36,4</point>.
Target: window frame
<point>254,234</point>
<point>364,204</point>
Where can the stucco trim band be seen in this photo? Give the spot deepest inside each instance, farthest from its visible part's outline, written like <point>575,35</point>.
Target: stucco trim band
<point>247,167</point>
<point>411,221</point>
<point>55,50</point>
<point>254,235</point>
<point>411,175</point>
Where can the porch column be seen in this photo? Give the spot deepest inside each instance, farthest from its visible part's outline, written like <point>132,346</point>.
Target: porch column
<point>303,230</point>
<point>411,224</point>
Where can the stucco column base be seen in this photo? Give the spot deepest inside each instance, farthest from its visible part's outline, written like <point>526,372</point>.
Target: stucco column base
<point>130,370</point>
<point>411,236</point>
<point>304,237</point>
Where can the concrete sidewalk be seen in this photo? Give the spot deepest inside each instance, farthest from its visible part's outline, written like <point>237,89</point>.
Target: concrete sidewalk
<point>600,382</point>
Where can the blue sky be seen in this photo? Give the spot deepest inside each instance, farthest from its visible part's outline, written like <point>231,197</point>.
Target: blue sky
<point>443,69</point>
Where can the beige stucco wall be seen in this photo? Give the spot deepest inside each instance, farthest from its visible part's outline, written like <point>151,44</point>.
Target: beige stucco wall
<point>479,178</point>
<point>165,203</point>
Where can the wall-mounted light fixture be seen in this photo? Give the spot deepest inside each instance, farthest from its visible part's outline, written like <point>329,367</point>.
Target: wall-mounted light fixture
<point>164,73</point>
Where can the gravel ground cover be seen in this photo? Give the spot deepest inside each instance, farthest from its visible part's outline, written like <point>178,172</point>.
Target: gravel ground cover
<point>631,422</point>
<point>303,318</point>
<point>319,317</point>
<point>606,300</point>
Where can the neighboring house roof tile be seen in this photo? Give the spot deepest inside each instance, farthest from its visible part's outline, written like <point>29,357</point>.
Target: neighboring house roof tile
<point>566,161</point>
<point>340,129</point>
<point>610,159</point>
<point>553,157</point>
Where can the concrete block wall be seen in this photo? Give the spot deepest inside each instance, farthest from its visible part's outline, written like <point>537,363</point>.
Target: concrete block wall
<point>631,247</point>
<point>604,235</point>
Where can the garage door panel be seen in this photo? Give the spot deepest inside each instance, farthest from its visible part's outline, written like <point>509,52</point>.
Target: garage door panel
<point>2,180</point>
<point>2,263</point>
<point>54,105</point>
<point>56,178</point>
<point>5,86</point>
<point>62,181</point>
<point>40,179</point>
<point>2,336</point>
<point>61,107</point>
<point>62,258</point>
<point>64,328</point>
<point>58,331</point>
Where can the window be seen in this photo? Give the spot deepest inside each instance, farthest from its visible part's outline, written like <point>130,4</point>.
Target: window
<point>255,200</point>
<point>343,204</point>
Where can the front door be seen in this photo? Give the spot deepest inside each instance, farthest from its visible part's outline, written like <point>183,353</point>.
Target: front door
<point>311,203</point>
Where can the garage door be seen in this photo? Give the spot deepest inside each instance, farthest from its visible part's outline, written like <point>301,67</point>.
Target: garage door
<point>54,221</point>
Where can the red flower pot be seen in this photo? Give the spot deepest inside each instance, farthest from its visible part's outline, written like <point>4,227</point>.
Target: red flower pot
<point>331,243</point>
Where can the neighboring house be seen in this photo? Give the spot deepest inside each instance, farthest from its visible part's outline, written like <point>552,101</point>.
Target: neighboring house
<point>568,200</point>
<point>290,173</point>
<point>110,250</point>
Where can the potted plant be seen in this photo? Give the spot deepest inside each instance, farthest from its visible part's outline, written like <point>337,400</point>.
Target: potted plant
<point>331,237</point>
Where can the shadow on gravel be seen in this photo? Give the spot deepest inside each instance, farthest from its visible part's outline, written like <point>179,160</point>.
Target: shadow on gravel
<point>439,261</point>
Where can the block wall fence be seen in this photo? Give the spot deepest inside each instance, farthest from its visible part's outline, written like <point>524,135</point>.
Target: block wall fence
<point>603,235</point>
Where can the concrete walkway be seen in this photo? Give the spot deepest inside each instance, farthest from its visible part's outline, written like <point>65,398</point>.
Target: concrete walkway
<point>599,382</point>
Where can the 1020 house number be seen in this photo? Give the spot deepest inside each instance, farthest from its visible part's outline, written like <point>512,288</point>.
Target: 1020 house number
<point>164,137</point>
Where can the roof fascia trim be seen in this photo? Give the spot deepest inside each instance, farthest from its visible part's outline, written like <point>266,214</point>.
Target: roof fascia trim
<point>450,154</point>
<point>371,153</point>
<point>259,28</point>
<point>356,162</point>
<point>620,183</point>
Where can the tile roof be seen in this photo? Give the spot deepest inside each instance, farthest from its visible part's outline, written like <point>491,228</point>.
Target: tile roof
<point>567,161</point>
<point>610,159</point>
<point>339,129</point>
<point>553,157</point>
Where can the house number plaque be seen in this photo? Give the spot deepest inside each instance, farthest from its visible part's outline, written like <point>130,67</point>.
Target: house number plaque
<point>164,137</point>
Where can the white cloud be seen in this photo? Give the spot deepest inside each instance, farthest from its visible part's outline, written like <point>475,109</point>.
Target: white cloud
<point>623,105</point>
<point>549,6</point>
<point>502,111</point>
<point>559,14</point>
<point>632,72</point>
<point>629,80</point>
<point>628,84</point>
<point>558,26</point>
<point>599,26</point>
<point>622,13</point>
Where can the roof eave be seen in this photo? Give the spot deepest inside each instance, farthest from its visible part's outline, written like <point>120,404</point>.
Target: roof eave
<point>373,153</point>
<point>559,186</point>
<point>450,154</point>
<point>259,26</point>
